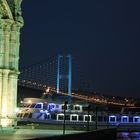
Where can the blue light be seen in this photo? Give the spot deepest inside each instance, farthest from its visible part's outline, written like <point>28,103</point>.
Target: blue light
<point>136,117</point>
<point>112,116</point>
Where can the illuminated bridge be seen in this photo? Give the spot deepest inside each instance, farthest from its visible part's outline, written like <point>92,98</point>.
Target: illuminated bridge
<point>56,70</point>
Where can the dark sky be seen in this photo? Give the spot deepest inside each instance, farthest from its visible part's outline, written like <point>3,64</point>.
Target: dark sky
<point>103,37</point>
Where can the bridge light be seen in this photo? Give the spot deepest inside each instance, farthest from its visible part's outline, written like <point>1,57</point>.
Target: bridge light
<point>48,90</point>
<point>29,101</point>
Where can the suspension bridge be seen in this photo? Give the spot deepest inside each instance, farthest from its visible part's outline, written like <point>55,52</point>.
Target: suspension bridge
<point>56,74</point>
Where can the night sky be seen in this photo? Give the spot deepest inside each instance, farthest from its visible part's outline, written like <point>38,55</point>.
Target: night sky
<point>103,37</point>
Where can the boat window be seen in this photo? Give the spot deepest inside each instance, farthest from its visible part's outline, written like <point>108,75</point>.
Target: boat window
<point>47,116</point>
<point>74,118</point>
<point>87,118</point>
<point>60,117</point>
<point>118,118</point>
<point>77,107</point>
<point>80,118</point>
<point>136,119</point>
<point>112,119</point>
<point>38,106</point>
<point>124,119</point>
<point>70,107</point>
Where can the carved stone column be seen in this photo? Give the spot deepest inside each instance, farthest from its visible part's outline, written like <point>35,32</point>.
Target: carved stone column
<point>7,32</point>
<point>1,43</point>
<point>12,94</point>
<point>14,47</point>
<point>4,105</point>
<point>10,23</point>
<point>1,74</point>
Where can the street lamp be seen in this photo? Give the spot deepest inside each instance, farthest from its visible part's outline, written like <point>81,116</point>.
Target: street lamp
<point>89,106</point>
<point>96,117</point>
<point>107,113</point>
<point>64,124</point>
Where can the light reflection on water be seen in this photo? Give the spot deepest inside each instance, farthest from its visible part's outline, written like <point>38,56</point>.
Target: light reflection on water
<point>128,136</point>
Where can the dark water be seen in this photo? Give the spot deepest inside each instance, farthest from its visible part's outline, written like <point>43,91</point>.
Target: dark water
<point>128,136</point>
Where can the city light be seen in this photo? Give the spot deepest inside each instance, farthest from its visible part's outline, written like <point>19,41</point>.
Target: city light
<point>48,90</point>
<point>29,101</point>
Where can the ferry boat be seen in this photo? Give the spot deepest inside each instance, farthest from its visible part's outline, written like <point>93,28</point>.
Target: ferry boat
<point>37,110</point>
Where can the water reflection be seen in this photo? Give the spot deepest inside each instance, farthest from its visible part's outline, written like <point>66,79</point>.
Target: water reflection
<point>128,136</point>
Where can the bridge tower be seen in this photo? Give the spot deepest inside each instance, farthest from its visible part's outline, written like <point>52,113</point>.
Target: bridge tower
<point>67,74</point>
<point>11,22</point>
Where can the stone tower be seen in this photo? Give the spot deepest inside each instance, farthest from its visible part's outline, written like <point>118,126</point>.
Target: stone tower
<point>11,22</point>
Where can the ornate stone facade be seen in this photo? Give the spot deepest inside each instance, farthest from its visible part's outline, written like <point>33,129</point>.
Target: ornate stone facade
<point>10,24</point>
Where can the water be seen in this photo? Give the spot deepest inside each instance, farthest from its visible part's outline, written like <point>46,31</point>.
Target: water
<point>128,136</point>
